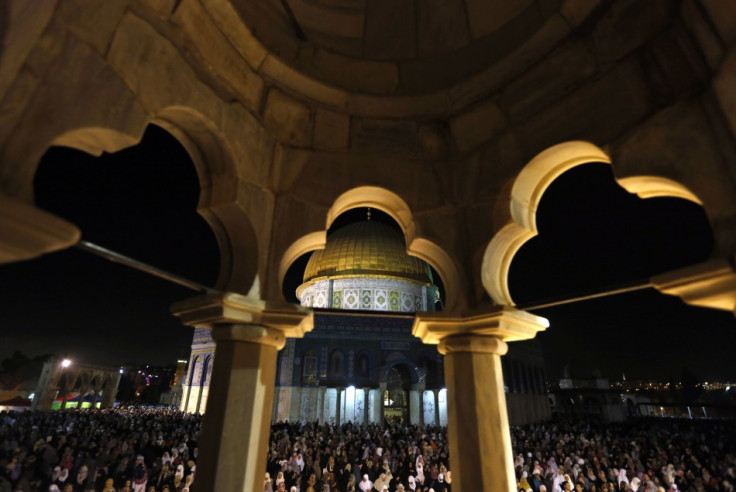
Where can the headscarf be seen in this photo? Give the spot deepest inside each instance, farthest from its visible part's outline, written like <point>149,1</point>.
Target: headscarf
<point>365,485</point>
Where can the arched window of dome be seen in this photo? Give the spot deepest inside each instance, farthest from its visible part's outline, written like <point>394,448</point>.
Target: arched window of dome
<point>363,364</point>
<point>336,363</point>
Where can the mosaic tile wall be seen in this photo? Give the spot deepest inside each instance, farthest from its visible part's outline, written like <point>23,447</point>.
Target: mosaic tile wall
<point>370,295</point>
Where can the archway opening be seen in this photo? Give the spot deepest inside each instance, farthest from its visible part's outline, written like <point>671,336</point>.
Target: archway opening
<point>295,274</point>
<point>593,236</point>
<point>396,395</point>
<point>365,290</point>
<point>141,202</point>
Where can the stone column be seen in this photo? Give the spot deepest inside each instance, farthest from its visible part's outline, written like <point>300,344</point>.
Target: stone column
<point>338,405</point>
<point>478,404</point>
<point>479,437</point>
<point>366,404</point>
<point>436,393</point>
<point>381,390</point>
<point>321,403</point>
<point>416,399</point>
<point>248,334</point>
<point>110,392</point>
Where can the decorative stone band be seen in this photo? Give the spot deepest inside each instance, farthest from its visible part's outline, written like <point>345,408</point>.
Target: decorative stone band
<point>372,294</point>
<point>250,333</point>
<point>472,343</point>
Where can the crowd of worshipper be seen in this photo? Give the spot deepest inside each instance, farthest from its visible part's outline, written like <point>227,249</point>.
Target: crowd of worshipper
<point>155,450</point>
<point>309,457</point>
<point>111,450</point>
<point>641,455</point>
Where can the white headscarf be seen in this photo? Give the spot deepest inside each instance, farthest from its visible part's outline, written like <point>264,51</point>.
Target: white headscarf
<point>365,484</point>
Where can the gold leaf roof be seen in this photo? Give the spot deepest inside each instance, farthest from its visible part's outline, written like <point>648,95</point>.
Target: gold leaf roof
<point>368,249</point>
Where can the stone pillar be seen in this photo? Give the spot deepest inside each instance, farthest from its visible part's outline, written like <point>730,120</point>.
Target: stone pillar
<point>350,397</point>
<point>366,405</point>
<point>416,402</point>
<point>381,391</point>
<point>436,393</point>
<point>338,405</point>
<point>295,408</point>
<point>248,334</point>
<point>321,404</point>
<point>478,426</point>
<point>44,398</point>
<point>473,376</point>
<point>110,392</point>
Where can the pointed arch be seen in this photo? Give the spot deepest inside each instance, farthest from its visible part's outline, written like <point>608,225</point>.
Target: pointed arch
<point>218,202</point>
<point>416,245</point>
<point>526,194</point>
<point>217,174</point>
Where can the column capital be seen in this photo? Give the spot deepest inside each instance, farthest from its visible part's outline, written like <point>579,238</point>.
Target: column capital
<point>244,315</point>
<point>711,284</point>
<point>505,323</point>
<point>472,343</point>
<point>249,333</point>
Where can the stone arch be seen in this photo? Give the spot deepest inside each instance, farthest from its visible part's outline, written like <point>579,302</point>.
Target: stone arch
<point>526,194</point>
<point>216,170</point>
<point>397,359</point>
<point>96,140</point>
<point>416,245</point>
<point>218,200</point>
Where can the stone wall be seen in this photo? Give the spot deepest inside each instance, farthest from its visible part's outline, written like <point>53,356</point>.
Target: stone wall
<point>279,126</point>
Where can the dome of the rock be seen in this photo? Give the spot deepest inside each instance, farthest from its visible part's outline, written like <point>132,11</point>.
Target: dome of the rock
<point>365,266</point>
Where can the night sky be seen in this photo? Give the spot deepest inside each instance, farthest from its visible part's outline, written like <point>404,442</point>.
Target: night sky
<point>142,202</point>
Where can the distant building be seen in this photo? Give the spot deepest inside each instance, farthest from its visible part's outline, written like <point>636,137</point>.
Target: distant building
<point>584,393</point>
<point>65,384</point>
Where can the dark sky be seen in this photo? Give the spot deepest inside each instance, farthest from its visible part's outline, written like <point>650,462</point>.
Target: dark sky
<point>141,202</point>
<point>593,235</point>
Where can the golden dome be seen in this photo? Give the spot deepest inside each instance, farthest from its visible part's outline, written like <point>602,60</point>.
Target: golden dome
<point>368,249</point>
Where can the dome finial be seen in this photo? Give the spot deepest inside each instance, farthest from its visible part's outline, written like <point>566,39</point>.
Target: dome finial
<point>369,213</point>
